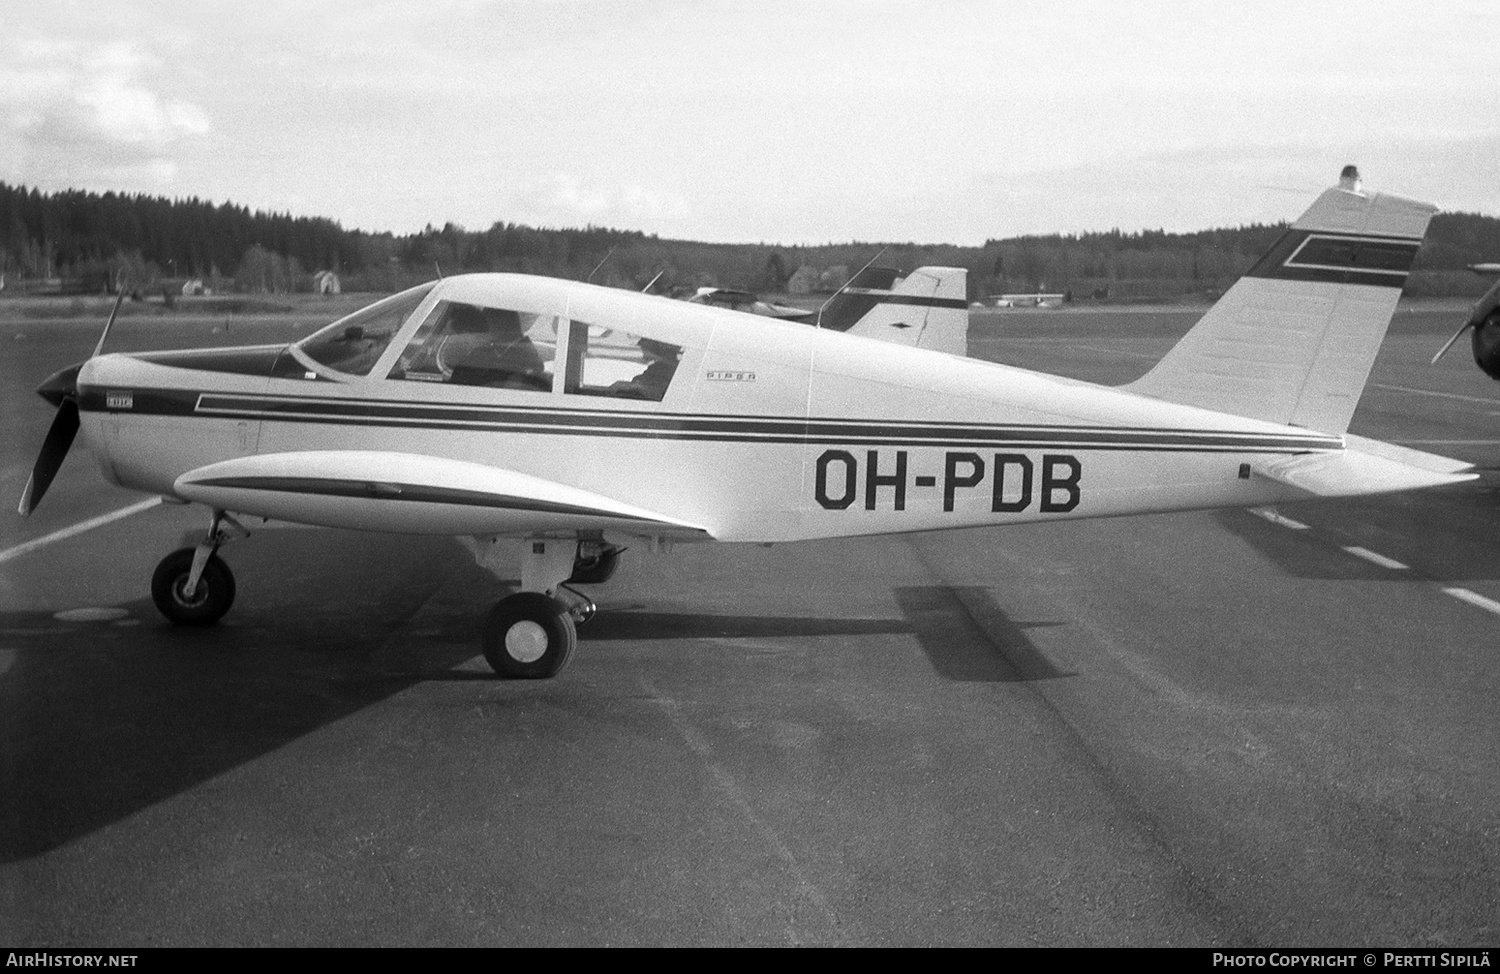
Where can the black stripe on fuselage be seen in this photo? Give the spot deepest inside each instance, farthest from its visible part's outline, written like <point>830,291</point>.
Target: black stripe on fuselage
<point>678,426</point>
<point>1338,258</point>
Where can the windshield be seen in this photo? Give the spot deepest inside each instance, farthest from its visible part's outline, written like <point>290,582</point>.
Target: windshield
<point>355,343</point>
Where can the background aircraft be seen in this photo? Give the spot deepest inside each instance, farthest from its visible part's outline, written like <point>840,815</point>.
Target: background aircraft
<point>578,419</point>
<point>724,297</point>
<point>1484,318</point>
<point>1031,300</point>
<point>925,309</point>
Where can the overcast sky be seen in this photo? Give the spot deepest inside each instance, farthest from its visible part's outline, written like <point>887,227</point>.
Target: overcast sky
<point>799,122</point>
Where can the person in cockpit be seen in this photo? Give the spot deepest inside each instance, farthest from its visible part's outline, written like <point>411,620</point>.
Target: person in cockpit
<point>502,356</point>
<point>661,364</point>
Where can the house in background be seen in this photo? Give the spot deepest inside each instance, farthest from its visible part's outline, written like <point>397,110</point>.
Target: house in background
<point>803,280</point>
<point>325,282</point>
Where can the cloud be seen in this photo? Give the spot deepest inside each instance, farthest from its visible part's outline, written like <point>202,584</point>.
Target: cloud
<point>75,112</point>
<point>1233,184</point>
<point>565,199</point>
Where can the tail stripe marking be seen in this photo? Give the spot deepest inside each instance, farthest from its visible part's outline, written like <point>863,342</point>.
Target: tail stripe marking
<point>1338,258</point>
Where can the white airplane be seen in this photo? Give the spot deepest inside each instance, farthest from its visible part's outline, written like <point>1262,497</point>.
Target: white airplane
<point>1036,299</point>
<point>578,419</point>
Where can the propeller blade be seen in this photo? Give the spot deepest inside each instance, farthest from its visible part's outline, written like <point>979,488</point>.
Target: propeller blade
<point>60,389</point>
<point>120,296</point>
<point>1449,343</point>
<point>54,450</point>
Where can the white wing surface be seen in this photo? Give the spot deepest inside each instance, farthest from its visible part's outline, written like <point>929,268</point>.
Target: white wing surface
<point>406,493</point>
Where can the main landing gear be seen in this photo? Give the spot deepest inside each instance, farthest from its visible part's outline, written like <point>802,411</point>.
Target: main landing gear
<point>528,635</point>
<point>531,634</point>
<point>193,586</point>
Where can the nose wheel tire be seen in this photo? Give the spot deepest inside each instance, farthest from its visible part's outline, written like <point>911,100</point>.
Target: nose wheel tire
<point>528,636</point>
<point>204,605</point>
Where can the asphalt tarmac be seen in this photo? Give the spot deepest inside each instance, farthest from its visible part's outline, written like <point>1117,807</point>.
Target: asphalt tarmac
<point>1223,728</point>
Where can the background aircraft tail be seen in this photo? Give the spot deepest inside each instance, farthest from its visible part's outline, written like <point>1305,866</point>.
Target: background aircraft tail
<point>1293,340</point>
<point>927,309</point>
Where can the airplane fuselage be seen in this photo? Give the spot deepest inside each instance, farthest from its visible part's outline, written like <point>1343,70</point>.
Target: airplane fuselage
<point>768,432</point>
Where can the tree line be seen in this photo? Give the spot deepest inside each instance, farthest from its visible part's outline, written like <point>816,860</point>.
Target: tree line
<point>91,241</point>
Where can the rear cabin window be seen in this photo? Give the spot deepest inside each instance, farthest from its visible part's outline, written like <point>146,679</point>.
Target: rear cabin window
<point>471,345</point>
<point>354,344</point>
<point>611,362</point>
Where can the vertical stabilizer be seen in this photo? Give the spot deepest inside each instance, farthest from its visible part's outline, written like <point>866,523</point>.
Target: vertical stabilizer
<point>927,309</point>
<point>1293,340</point>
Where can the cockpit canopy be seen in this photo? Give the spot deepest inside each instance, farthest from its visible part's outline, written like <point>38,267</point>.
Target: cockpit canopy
<point>477,332</point>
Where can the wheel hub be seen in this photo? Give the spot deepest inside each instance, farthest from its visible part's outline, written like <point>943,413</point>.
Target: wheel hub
<point>193,600</point>
<point>526,641</point>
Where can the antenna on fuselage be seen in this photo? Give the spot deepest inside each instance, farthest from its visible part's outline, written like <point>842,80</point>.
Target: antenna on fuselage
<point>606,257</point>
<point>818,321</point>
<point>110,323</point>
<point>438,268</point>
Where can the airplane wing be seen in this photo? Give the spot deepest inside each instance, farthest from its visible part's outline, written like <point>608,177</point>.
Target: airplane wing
<point>1365,466</point>
<point>407,493</point>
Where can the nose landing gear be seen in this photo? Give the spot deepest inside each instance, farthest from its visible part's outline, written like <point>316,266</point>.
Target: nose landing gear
<point>193,586</point>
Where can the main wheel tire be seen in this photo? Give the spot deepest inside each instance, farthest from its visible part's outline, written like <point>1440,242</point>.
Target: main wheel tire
<point>595,571</point>
<point>206,604</point>
<point>528,636</point>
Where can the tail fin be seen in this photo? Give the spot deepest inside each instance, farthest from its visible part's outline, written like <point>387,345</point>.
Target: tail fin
<point>857,298</point>
<point>1293,340</point>
<point>928,309</point>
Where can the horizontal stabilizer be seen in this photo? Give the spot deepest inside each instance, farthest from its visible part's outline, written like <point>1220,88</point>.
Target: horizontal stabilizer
<point>406,493</point>
<point>1365,467</point>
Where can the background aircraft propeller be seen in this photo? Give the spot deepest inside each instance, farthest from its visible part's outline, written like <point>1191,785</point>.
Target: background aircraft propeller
<point>61,390</point>
<point>1449,343</point>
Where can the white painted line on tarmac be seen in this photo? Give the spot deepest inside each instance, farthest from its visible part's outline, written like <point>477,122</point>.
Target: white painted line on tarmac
<point>1376,557</point>
<point>78,528</point>
<point>1274,518</point>
<point>1440,395</point>
<point>1475,599</point>
<point>1445,442</point>
<point>1118,351</point>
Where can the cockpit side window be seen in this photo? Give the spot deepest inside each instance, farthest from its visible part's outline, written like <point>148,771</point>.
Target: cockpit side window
<point>354,344</point>
<point>468,344</point>
<point>611,362</point>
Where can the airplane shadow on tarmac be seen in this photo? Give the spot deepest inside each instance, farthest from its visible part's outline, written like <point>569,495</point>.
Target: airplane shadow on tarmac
<point>1319,552</point>
<point>966,637</point>
<point>100,720</point>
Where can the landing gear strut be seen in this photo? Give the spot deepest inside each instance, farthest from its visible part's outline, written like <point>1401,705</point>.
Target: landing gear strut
<point>193,586</point>
<point>595,563</point>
